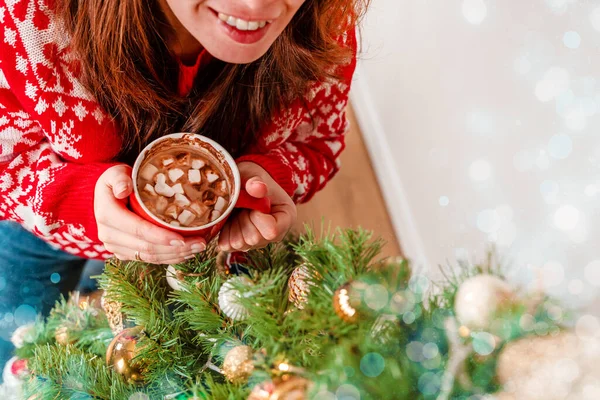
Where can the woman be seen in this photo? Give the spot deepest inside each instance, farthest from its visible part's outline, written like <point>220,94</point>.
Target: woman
<point>85,85</point>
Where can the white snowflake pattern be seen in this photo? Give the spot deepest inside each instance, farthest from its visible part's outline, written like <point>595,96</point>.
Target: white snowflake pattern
<point>59,106</point>
<point>22,64</point>
<point>31,90</point>
<point>99,115</point>
<point>41,106</point>
<point>80,111</point>
<point>10,36</point>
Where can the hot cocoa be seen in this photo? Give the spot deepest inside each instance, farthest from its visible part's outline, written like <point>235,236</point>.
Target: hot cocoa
<point>183,186</point>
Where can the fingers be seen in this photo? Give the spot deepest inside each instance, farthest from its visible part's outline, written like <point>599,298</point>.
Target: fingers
<point>127,254</point>
<point>250,233</point>
<point>256,187</point>
<point>118,179</point>
<point>265,223</point>
<point>118,217</point>
<point>232,237</point>
<point>276,225</point>
<point>113,237</point>
<point>253,229</point>
<point>224,237</point>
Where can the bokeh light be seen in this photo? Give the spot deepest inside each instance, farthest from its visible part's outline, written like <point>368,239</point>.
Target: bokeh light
<point>595,18</point>
<point>549,190</point>
<point>474,11</point>
<point>376,297</point>
<point>429,383</point>
<point>372,364</point>
<point>55,277</point>
<point>483,343</point>
<point>572,39</point>
<point>560,146</point>
<point>554,82</point>
<point>592,273</point>
<point>414,351</point>
<point>566,217</point>
<point>347,392</point>
<point>480,170</point>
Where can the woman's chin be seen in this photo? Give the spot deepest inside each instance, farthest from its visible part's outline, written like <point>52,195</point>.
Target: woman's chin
<point>237,54</point>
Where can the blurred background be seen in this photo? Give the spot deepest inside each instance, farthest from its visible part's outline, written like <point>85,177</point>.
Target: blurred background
<point>477,125</point>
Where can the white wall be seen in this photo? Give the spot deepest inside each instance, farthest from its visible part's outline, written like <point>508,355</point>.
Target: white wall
<point>483,102</point>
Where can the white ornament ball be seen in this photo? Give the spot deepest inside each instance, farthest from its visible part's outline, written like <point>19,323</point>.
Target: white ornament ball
<point>172,279</point>
<point>22,335</point>
<point>479,298</point>
<point>229,298</point>
<point>14,374</point>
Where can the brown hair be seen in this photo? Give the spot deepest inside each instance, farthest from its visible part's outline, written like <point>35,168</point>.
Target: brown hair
<point>127,66</point>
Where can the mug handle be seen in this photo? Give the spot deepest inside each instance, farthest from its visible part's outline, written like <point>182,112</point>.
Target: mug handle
<point>252,203</point>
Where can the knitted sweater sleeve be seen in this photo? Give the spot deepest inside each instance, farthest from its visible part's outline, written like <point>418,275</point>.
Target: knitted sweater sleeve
<point>301,150</point>
<point>38,189</point>
<point>48,165</point>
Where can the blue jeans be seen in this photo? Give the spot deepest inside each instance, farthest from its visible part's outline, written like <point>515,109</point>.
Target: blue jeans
<point>32,277</point>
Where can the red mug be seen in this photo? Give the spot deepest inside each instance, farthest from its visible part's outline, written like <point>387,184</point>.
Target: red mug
<point>239,198</point>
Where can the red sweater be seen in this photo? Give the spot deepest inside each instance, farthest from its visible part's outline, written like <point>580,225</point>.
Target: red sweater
<point>56,141</point>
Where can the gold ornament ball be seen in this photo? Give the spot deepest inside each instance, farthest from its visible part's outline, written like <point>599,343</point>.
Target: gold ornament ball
<point>62,336</point>
<point>238,365</point>
<point>121,351</point>
<point>345,302</point>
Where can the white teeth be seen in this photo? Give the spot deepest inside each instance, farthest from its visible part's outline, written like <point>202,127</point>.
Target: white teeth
<point>242,24</point>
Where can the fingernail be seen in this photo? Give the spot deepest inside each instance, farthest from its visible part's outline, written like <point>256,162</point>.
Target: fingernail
<point>121,187</point>
<point>198,247</point>
<point>190,257</point>
<point>178,243</point>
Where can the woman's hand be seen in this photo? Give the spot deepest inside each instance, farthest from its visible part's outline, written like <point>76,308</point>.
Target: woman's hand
<point>250,228</point>
<point>127,235</point>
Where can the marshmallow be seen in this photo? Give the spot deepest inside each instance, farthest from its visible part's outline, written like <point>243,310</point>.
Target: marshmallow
<point>194,176</point>
<point>160,178</point>
<point>164,189</point>
<point>198,164</point>
<point>186,217</point>
<point>221,188</point>
<point>148,172</point>
<point>172,211</point>
<point>214,215</point>
<point>161,204</point>
<point>220,204</point>
<point>181,200</point>
<point>167,161</point>
<point>150,189</point>
<point>178,188</point>
<point>175,223</point>
<point>211,176</point>
<point>175,174</point>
